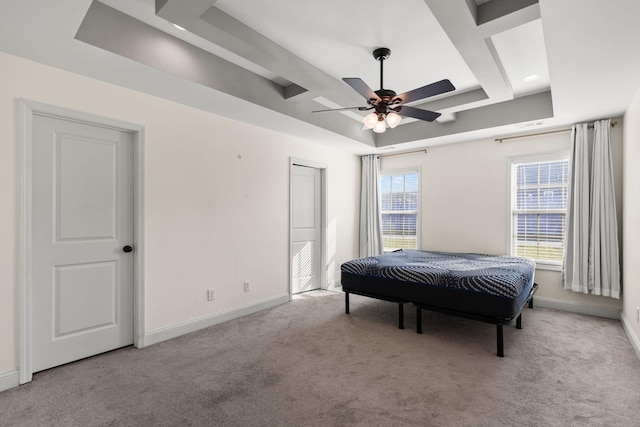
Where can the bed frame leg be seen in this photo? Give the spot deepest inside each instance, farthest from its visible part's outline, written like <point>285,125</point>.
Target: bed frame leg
<point>400,315</point>
<point>519,321</point>
<point>500,341</point>
<point>418,320</point>
<point>346,302</point>
<point>531,303</point>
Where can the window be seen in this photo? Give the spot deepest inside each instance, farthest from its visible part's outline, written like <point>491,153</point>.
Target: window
<point>400,210</point>
<point>539,190</point>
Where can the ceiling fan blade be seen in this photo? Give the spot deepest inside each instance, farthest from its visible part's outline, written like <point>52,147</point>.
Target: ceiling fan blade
<point>361,87</point>
<point>417,113</point>
<point>341,109</point>
<point>432,89</point>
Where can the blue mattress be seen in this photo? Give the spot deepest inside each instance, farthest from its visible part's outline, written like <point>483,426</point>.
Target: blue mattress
<point>485,285</point>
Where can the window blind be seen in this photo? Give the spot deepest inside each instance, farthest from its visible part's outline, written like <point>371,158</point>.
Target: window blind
<point>399,194</point>
<point>539,208</point>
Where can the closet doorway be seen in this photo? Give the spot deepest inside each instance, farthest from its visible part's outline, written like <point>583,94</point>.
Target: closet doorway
<point>307,225</point>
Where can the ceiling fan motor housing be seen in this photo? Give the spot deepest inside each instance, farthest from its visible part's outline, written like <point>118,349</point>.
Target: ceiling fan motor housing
<point>386,99</point>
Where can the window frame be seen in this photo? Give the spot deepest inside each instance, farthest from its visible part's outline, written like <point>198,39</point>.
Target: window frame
<point>535,158</point>
<point>404,171</point>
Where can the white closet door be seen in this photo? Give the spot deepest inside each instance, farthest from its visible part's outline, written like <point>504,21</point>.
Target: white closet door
<point>306,228</point>
<point>82,219</point>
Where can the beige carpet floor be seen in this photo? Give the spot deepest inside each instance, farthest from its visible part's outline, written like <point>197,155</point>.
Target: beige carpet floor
<point>306,363</point>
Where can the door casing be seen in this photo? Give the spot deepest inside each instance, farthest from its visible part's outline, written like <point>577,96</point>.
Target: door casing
<point>28,109</point>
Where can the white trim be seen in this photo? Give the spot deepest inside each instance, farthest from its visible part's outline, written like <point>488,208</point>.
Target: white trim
<point>9,380</point>
<point>549,156</point>
<point>531,158</point>
<point>139,312</point>
<point>404,171</point>
<point>187,327</point>
<point>324,172</point>
<point>574,307</point>
<point>24,245</point>
<point>548,266</point>
<point>27,110</point>
<point>307,163</point>
<point>635,341</point>
<point>334,285</point>
<point>324,227</point>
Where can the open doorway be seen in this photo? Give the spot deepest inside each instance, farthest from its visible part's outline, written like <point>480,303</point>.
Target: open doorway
<point>307,224</point>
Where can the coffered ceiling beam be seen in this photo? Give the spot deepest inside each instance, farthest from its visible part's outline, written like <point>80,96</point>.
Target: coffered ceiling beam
<point>524,109</point>
<point>121,34</point>
<point>459,21</point>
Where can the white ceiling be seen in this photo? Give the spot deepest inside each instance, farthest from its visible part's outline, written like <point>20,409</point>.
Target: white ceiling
<point>272,63</point>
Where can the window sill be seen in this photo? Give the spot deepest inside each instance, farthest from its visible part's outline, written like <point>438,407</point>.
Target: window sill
<point>549,267</point>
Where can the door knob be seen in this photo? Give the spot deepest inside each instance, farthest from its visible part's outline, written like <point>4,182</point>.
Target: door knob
<point>127,248</point>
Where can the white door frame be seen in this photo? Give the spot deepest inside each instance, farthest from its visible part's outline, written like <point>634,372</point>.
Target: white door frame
<point>323,219</point>
<point>27,110</point>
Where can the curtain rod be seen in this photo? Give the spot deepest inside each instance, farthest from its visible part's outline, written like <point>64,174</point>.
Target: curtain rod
<point>424,150</point>
<point>613,123</point>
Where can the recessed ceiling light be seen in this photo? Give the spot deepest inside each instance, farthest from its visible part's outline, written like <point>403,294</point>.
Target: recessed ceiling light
<point>179,27</point>
<point>530,78</point>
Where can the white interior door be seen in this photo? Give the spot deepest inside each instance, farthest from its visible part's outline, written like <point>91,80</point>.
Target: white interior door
<point>82,218</point>
<point>306,228</point>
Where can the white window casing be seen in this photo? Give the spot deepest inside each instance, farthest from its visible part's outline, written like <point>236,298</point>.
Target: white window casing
<point>400,209</point>
<point>539,186</point>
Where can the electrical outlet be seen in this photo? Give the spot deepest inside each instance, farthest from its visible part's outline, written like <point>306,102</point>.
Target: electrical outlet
<point>211,294</point>
<point>247,286</point>
<point>637,314</point>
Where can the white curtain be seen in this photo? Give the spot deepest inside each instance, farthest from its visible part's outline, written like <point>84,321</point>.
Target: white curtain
<point>591,262</point>
<point>576,254</point>
<point>370,229</point>
<point>604,268</point>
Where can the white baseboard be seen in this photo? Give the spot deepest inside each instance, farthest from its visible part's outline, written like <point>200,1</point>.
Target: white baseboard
<point>635,341</point>
<point>213,319</point>
<point>334,286</point>
<point>574,307</point>
<point>9,380</point>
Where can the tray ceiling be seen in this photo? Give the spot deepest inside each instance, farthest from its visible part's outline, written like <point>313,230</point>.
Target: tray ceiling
<point>272,63</point>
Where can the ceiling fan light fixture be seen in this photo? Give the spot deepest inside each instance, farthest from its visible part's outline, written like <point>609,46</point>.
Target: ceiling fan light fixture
<point>388,106</point>
<point>393,119</point>
<point>380,126</point>
<point>370,120</point>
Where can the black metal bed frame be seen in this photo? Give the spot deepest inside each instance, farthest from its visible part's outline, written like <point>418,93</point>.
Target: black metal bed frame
<point>499,322</point>
<point>390,299</point>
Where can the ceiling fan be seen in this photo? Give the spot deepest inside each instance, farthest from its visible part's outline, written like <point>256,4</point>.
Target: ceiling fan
<point>387,106</point>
